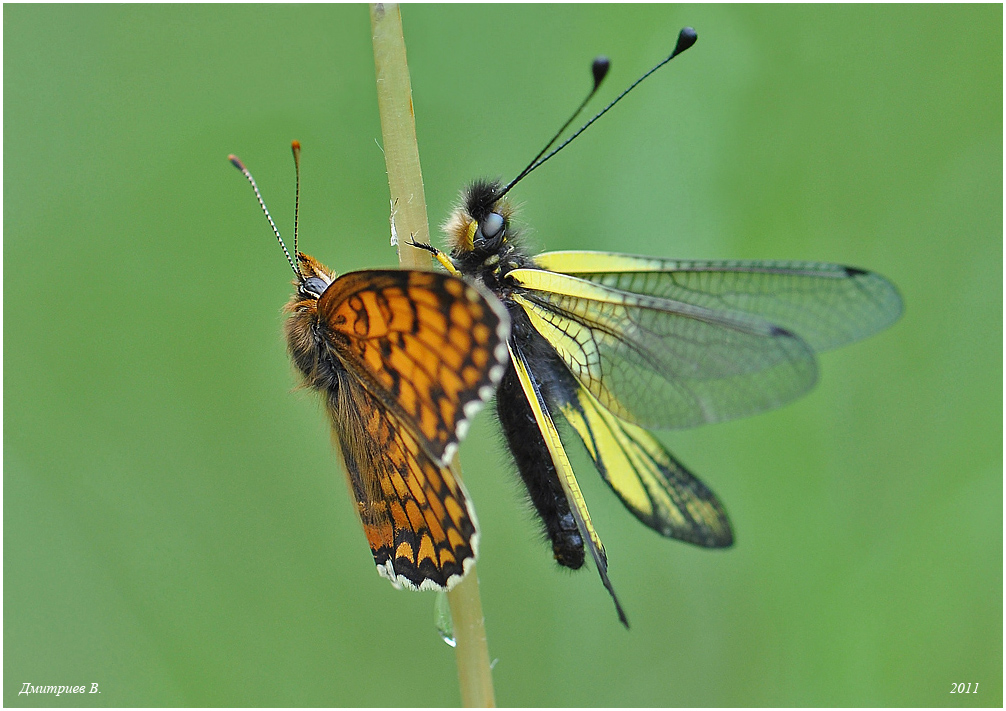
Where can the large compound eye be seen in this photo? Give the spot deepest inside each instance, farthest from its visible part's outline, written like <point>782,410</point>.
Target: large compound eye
<point>489,232</point>
<point>313,287</point>
<point>492,226</point>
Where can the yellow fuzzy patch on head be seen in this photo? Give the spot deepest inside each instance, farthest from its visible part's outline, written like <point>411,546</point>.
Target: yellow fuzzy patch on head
<point>460,230</point>
<point>304,305</point>
<point>461,227</point>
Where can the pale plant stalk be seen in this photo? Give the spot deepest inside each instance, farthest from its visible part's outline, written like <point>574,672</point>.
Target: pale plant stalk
<point>409,219</point>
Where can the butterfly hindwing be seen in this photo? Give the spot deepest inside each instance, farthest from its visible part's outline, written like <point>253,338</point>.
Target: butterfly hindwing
<point>415,513</point>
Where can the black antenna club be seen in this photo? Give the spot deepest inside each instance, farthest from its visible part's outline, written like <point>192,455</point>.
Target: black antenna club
<point>686,38</point>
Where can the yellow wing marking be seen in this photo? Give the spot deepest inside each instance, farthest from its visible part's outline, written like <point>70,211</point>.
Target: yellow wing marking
<point>827,305</point>
<point>657,362</point>
<point>649,480</point>
<point>566,285</point>
<point>575,261</point>
<point>565,471</point>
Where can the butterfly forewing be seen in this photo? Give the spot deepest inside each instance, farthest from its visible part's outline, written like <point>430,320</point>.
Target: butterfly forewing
<point>427,345</point>
<point>404,359</point>
<point>828,305</point>
<point>660,363</point>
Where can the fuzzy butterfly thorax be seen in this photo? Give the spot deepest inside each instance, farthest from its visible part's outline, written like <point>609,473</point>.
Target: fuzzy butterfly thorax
<point>305,343</point>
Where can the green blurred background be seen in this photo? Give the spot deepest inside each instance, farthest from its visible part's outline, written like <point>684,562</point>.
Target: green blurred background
<point>176,527</point>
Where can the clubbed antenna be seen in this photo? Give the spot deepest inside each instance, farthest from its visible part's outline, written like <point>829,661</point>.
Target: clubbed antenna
<point>296,196</point>
<point>686,38</point>
<point>599,68</point>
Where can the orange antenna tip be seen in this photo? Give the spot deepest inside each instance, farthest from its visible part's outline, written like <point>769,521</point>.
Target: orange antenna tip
<point>236,161</point>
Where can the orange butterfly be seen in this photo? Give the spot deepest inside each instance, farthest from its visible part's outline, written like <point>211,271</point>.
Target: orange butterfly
<point>403,359</point>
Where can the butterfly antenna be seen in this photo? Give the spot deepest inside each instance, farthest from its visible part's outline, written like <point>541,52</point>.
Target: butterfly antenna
<point>244,171</point>
<point>686,38</point>
<point>296,195</point>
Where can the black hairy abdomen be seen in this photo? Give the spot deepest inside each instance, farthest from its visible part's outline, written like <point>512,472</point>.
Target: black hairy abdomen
<point>525,440</point>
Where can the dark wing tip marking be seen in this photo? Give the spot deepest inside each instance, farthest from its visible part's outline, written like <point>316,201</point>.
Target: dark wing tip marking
<point>405,574</point>
<point>723,539</point>
<point>602,569</point>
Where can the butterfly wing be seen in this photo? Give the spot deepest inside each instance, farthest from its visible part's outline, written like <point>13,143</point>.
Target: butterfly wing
<point>420,353</point>
<point>429,346</point>
<point>655,362</point>
<point>416,514</point>
<point>651,483</point>
<point>827,305</point>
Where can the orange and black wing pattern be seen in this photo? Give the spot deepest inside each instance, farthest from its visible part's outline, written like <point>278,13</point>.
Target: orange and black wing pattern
<point>416,514</point>
<point>431,347</point>
<point>405,359</point>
